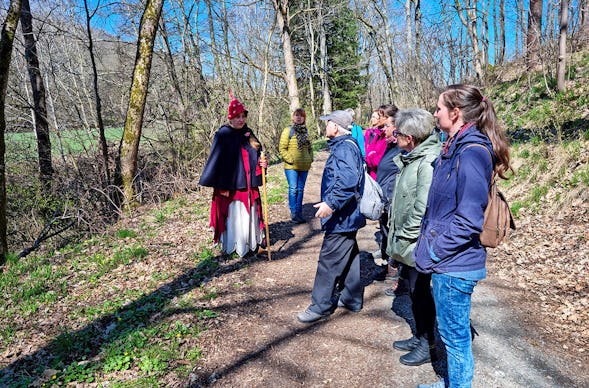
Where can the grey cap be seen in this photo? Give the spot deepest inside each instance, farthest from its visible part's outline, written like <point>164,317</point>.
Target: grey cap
<point>340,117</point>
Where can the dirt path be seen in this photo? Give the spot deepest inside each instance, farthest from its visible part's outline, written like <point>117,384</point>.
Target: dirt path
<point>257,341</point>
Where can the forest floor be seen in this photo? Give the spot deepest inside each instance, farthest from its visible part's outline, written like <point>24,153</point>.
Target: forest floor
<point>531,312</point>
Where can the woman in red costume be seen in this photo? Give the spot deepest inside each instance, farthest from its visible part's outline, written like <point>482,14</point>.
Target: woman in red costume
<point>234,171</point>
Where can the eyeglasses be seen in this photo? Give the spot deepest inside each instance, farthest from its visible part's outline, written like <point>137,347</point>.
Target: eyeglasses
<point>397,133</point>
<point>388,125</point>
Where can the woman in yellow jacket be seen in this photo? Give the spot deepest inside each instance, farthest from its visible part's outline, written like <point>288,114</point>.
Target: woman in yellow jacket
<point>297,153</point>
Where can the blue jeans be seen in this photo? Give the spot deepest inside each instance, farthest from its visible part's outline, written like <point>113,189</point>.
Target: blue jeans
<point>296,185</point>
<point>452,297</point>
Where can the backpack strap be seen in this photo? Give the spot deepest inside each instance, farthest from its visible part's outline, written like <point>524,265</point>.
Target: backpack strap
<point>493,174</point>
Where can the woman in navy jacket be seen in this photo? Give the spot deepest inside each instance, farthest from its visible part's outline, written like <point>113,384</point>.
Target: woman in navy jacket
<point>449,247</point>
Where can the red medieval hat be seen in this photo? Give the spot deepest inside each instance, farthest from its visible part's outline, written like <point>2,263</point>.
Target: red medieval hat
<point>235,107</point>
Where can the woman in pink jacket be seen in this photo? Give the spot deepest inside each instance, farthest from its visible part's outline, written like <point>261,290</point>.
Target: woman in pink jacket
<point>375,140</point>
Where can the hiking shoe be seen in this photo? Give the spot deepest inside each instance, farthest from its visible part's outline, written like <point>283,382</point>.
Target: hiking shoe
<point>309,316</point>
<point>419,355</point>
<point>406,345</point>
<point>438,384</point>
<point>348,307</point>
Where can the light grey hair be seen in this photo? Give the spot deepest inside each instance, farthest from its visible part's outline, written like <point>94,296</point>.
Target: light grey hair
<point>416,122</point>
<point>342,130</point>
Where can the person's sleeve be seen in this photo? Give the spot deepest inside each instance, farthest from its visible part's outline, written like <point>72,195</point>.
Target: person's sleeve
<point>283,146</point>
<point>345,182</point>
<point>412,225</point>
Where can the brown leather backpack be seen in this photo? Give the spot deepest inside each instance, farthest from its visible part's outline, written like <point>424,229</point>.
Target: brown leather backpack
<point>498,218</point>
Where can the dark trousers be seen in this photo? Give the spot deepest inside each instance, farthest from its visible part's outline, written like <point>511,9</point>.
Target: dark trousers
<point>338,273</point>
<point>422,301</point>
<point>383,222</point>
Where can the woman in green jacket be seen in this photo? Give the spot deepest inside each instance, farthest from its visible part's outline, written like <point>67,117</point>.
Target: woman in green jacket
<point>297,153</point>
<point>414,133</point>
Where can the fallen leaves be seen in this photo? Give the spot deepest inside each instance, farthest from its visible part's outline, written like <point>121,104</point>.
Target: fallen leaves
<point>547,258</point>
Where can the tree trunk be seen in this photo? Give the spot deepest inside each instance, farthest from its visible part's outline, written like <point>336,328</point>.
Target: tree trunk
<point>193,49</point>
<point>39,102</point>
<point>584,22</point>
<point>6,43</point>
<point>97,101</point>
<point>408,28</point>
<point>169,61</point>
<point>562,45</point>
<point>265,77</point>
<point>534,36</point>
<point>327,104</point>
<point>484,32</point>
<point>229,76</point>
<point>282,16</point>
<point>132,131</point>
<point>470,23</point>
<point>501,51</point>
<point>213,40</point>
<point>417,30</point>
<point>520,34</point>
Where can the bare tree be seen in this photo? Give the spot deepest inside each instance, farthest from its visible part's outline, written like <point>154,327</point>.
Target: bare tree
<point>418,32</point>
<point>97,100</point>
<point>132,131</point>
<point>520,34</point>
<point>584,21</point>
<point>213,39</point>
<point>408,26</point>
<point>562,45</point>
<point>468,16</point>
<point>500,41</point>
<point>380,33</point>
<point>327,103</point>
<point>39,102</point>
<point>534,35</point>
<point>6,43</point>
<point>283,17</point>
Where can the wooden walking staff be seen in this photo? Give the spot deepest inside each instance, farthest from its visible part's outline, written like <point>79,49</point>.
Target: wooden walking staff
<point>265,209</point>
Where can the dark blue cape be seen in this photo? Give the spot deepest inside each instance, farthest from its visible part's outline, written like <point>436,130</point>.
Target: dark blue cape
<point>224,168</point>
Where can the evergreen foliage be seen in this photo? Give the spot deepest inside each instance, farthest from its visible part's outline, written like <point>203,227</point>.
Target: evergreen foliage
<point>347,85</point>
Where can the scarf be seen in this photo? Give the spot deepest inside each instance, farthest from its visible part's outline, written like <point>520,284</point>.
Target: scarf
<point>300,130</point>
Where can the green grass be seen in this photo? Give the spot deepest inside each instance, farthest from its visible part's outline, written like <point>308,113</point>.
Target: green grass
<point>277,189</point>
<point>23,146</point>
<point>126,233</point>
<point>580,176</point>
<point>132,340</point>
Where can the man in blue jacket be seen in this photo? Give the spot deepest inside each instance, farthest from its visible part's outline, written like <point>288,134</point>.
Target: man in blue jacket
<point>337,281</point>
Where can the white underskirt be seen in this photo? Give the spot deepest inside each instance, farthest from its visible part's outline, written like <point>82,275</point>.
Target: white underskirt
<point>242,230</point>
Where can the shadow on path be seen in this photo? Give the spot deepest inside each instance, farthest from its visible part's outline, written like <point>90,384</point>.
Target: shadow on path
<point>83,346</point>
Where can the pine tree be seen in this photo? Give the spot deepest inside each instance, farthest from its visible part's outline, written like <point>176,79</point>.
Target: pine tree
<point>347,84</point>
